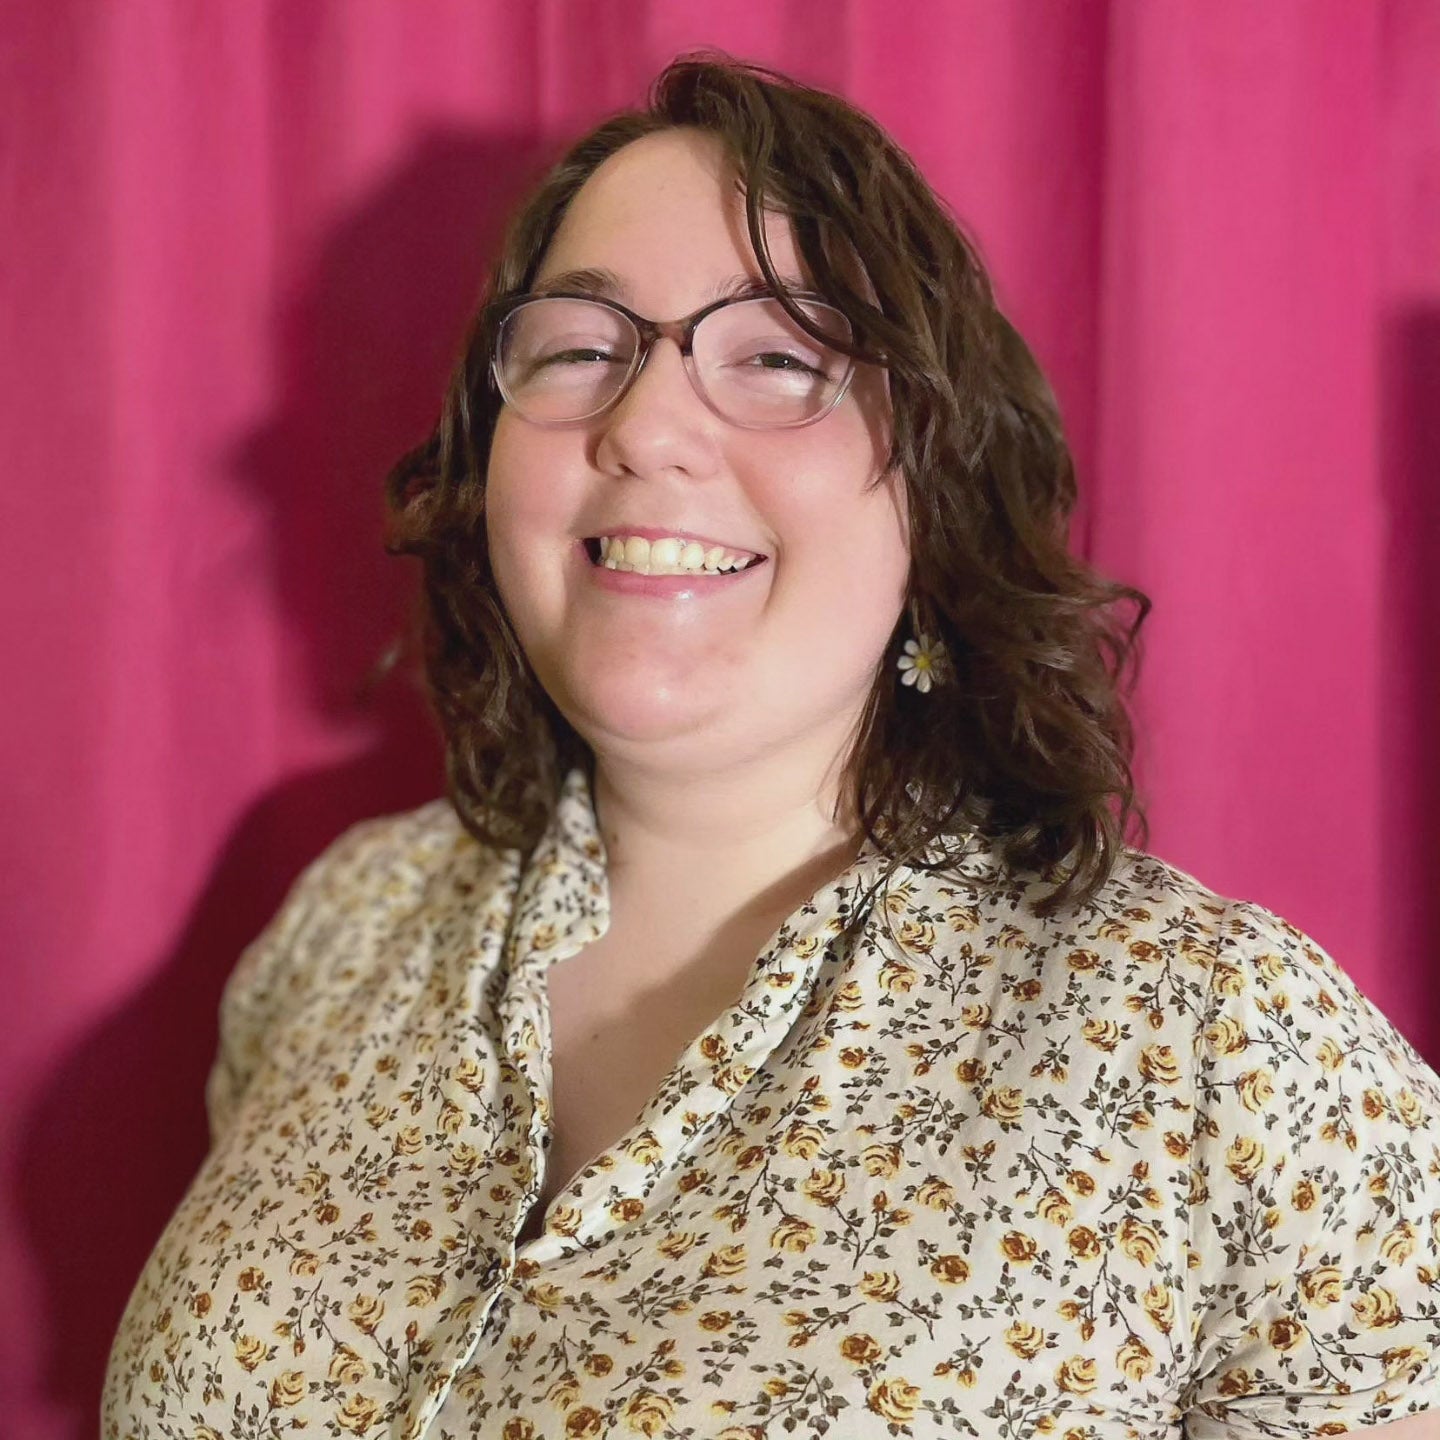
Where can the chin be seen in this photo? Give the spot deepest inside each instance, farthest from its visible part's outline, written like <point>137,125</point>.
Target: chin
<point>612,720</point>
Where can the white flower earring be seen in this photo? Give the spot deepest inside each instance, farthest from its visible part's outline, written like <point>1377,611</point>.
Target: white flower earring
<point>923,663</point>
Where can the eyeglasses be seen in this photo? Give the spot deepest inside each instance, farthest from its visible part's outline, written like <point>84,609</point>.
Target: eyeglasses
<point>563,358</point>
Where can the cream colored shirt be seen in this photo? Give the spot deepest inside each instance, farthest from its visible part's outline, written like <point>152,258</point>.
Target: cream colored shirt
<point>1149,1169</point>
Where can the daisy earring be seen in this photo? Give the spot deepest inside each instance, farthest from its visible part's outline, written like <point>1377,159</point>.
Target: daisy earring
<point>922,664</point>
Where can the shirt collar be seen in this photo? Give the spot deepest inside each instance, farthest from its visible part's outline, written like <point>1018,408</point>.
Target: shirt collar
<point>563,901</point>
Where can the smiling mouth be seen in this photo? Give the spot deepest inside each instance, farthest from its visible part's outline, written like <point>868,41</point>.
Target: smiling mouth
<point>592,549</point>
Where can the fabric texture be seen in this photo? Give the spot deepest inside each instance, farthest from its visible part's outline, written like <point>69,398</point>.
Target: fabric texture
<point>1156,1167</point>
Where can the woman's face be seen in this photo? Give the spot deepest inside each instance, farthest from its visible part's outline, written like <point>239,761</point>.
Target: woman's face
<point>732,670</point>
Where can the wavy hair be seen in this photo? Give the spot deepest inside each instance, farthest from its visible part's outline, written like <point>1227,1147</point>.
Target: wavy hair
<point>1029,741</point>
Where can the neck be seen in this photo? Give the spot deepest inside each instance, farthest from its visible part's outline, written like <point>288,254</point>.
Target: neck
<point>688,853</point>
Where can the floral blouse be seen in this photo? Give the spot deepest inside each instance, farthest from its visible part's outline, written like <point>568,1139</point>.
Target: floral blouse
<point>1154,1167</point>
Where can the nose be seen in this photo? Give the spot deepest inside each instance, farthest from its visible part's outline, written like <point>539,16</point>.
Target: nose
<point>660,422</point>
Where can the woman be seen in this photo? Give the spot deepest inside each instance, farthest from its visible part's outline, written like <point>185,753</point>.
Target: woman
<point>771,1029</point>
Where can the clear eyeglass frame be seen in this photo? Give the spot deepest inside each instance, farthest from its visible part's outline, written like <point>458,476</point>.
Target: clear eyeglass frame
<point>681,331</point>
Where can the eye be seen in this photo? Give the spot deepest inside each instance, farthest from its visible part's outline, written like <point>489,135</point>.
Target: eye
<point>789,362</point>
<point>579,355</point>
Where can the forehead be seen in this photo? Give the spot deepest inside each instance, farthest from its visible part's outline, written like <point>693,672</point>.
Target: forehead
<point>664,215</point>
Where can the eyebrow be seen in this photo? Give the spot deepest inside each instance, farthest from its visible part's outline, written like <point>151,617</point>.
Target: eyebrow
<point>607,283</point>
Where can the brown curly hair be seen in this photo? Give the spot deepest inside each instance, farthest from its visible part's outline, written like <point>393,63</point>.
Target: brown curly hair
<point>1029,741</point>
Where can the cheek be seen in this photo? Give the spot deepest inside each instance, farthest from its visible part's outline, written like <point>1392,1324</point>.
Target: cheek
<point>844,529</point>
<point>507,498</point>
<point>844,568</point>
<point>850,608</point>
<point>502,530</point>
<point>518,512</point>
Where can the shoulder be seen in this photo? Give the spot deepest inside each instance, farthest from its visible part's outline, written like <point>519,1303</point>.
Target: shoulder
<point>1154,949</point>
<point>376,875</point>
<point>402,877</point>
<point>399,858</point>
<point>1147,910</point>
<point>423,835</point>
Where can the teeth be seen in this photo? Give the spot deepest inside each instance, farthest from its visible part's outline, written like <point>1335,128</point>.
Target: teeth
<point>670,556</point>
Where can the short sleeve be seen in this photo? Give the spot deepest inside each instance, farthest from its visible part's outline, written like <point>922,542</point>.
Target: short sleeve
<point>1315,1199</point>
<point>263,974</point>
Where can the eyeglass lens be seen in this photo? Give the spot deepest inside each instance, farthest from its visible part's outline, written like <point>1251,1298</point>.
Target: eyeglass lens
<point>564,359</point>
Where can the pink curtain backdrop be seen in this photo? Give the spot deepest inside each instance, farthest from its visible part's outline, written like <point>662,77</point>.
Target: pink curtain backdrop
<point>240,242</point>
